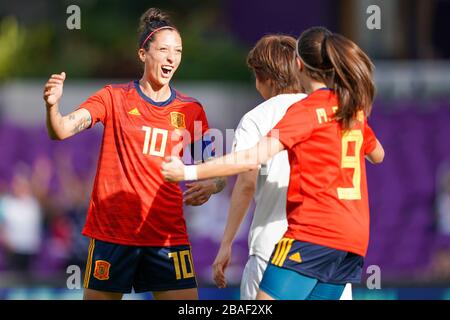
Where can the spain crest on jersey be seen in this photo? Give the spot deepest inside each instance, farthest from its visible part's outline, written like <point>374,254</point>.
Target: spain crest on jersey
<point>177,120</point>
<point>101,271</point>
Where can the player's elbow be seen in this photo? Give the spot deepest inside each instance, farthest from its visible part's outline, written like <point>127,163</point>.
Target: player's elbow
<point>247,185</point>
<point>249,188</point>
<point>55,136</point>
<point>380,158</point>
<point>376,157</point>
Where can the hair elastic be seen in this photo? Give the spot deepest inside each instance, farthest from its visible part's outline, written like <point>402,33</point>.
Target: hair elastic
<point>297,52</point>
<point>153,32</point>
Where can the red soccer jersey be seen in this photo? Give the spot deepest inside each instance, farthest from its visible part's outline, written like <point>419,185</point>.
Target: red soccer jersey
<point>327,201</point>
<point>131,204</point>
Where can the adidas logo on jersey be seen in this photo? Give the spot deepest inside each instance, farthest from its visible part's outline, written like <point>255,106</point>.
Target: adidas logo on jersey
<point>296,257</point>
<point>134,112</point>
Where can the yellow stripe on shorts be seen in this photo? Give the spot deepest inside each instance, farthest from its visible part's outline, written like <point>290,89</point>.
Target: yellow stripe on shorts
<point>277,251</point>
<point>285,252</point>
<point>87,275</point>
<point>281,254</point>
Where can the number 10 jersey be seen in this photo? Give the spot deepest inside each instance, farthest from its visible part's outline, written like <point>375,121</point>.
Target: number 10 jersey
<point>131,204</point>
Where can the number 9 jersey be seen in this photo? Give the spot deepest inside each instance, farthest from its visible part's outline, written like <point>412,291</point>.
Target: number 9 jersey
<point>327,200</point>
<point>131,204</point>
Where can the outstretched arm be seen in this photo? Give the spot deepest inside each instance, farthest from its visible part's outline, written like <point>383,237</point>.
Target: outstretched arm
<point>62,127</point>
<point>228,165</point>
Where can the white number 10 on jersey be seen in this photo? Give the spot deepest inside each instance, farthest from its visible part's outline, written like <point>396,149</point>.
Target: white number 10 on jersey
<point>151,137</point>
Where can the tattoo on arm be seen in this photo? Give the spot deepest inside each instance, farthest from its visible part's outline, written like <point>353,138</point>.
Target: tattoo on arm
<point>82,124</point>
<point>220,184</point>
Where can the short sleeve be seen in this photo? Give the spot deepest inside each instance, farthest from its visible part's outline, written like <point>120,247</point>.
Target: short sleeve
<point>370,140</point>
<point>247,135</point>
<point>98,105</point>
<point>201,125</point>
<point>296,126</point>
<point>202,140</point>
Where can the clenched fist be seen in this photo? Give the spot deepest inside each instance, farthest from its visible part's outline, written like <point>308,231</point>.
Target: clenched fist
<point>172,169</point>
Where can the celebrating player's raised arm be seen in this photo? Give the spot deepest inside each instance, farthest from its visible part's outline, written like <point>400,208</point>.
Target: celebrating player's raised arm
<point>61,127</point>
<point>233,163</point>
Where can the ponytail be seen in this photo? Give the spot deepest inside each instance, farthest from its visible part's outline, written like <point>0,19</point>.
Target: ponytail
<point>341,64</point>
<point>353,78</point>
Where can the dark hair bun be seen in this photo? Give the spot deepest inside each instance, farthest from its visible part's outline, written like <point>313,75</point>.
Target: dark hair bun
<point>153,18</point>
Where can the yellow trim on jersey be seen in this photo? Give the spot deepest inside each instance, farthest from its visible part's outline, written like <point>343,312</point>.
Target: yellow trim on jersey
<point>89,264</point>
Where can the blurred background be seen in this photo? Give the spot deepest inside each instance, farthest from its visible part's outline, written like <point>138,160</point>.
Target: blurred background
<point>45,185</point>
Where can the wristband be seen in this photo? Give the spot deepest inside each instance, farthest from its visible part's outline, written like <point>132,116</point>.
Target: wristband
<point>190,173</point>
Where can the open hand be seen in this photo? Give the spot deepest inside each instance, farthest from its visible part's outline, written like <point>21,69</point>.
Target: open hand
<point>199,192</point>
<point>220,264</point>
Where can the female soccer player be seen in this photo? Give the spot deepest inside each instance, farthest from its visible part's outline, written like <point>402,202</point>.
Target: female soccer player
<point>135,218</point>
<point>278,83</point>
<point>271,60</point>
<point>327,137</point>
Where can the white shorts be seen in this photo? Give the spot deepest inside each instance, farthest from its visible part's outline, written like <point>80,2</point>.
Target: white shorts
<point>347,293</point>
<point>252,276</point>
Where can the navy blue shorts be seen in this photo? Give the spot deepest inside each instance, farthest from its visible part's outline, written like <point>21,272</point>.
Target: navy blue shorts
<point>319,262</point>
<point>119,268</point>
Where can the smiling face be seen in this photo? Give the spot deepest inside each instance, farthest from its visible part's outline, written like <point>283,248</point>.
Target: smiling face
<point>162,57</point>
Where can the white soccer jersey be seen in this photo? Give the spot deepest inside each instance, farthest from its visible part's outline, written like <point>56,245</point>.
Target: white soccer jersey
<point>269,220</point>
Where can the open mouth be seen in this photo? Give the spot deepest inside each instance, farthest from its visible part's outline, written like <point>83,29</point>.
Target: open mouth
<point>167,70</point>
